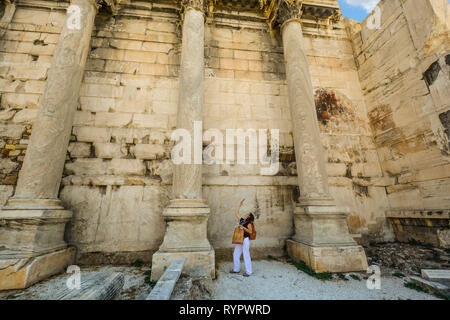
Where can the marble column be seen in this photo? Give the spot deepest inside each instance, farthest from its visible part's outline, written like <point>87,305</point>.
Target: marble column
<point>322,239</point>
<point>32,223</point>
<point>187,215</point>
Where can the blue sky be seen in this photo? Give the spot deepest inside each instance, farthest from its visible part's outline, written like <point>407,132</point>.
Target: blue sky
<point>357,9</point>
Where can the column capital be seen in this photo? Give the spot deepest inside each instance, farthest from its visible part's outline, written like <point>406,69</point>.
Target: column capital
<point>113,6</point>
<point>200,5</point>
<point>278,12</point>
<point>206,7</point>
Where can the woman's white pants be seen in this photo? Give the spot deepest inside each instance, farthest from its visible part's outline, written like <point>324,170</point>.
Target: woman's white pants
<point>238,250</point>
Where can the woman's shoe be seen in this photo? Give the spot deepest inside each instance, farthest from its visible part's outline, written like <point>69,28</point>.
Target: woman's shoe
<point>232,271</point>
<point>246,275</point>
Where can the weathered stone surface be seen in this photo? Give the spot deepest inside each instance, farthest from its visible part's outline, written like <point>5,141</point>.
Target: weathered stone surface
<point>11,131</point>
<point>110,150</point>
<point>404,98</point>
<point>148,151</point>
<point>79,150</point>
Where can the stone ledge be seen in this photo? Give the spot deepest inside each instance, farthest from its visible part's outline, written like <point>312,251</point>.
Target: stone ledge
<point>419,214</point>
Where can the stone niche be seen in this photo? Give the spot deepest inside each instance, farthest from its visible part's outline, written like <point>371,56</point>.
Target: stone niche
<point>425,227</point>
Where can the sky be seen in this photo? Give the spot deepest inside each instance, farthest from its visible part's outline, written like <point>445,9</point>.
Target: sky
<point>357,9</point>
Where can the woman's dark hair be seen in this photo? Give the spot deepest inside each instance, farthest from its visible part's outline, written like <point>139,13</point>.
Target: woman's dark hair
<point>251,217</point>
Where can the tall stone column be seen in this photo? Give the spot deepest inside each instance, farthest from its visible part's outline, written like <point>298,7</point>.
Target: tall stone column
<point>187,215</point>
<point>322,239</point>
<point>32,223</point>
<point>7,10</point>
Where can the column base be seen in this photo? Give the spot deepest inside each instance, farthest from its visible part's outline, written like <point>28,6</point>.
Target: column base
<point>32,245</point>
<point>23,272</point>
<point>186,237</point>
<point>194,260</point>
<point>322,239</point>
<point>30,233</point>
<point>328,259</point>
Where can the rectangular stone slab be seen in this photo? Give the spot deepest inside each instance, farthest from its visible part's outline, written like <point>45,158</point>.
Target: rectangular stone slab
<point>166,284</point>
<point>436,274</point>
<point>430,285</point>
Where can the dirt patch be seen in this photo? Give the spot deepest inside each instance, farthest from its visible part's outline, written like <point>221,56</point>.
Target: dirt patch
<point>408,258</point>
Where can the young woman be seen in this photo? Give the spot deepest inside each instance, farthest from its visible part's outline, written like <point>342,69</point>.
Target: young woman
<point>246,225</point>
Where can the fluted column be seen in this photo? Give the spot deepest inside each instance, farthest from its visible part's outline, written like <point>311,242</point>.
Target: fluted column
<point>312,174</point>
<point>40,176</point>
<point>321,239</point>
<point>187,215</point>
<point>187,178</point>
<point>32,224</point>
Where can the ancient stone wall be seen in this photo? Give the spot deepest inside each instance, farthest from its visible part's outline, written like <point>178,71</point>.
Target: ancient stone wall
<point>245,88</point>
<point>403,65</point>
<point>117,177</point>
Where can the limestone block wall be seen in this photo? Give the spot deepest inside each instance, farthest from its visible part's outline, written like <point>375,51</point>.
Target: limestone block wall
<point>404,70</point>
<point>117,177</point>
<point>355,177</point>
<point>245,88</point>
<point>118,173</point>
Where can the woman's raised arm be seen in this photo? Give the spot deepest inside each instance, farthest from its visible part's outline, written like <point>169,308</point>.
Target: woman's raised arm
<point>238,209</point>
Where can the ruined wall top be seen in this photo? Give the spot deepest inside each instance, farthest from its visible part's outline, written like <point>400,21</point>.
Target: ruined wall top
<point>278,12</point>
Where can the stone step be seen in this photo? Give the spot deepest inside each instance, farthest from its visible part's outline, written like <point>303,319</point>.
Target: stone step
<point>436,274</point>
<point>165,285</point>
<point>97,286</point>
<point>435,287</point>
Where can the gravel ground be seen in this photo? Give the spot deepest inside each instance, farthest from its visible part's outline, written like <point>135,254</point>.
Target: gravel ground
<point>134,287</point>
<point>279,280</point>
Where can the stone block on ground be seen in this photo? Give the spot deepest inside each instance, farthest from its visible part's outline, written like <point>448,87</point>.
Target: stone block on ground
<point>165,285</point>
<point>433,286</point>
<point>436,275</point>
